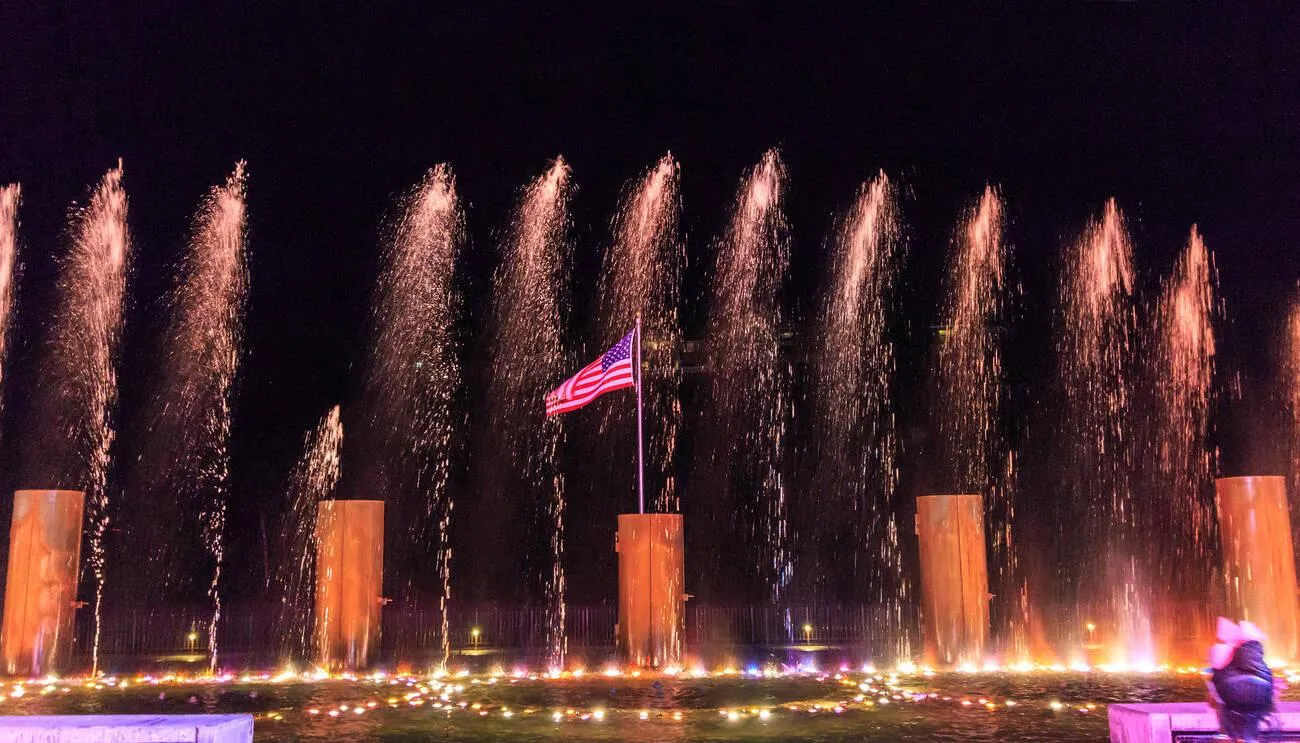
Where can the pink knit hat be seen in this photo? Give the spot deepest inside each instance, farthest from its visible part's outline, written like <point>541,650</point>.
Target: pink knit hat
<point>1231,636</point>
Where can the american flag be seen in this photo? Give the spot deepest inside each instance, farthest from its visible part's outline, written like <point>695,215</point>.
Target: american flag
<point>612,371</point>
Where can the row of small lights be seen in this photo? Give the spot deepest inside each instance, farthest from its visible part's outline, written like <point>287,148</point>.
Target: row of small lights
<point>874,691</point>
<point>441,692</point>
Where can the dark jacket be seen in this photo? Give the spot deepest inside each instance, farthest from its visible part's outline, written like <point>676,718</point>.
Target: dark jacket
<point>1244,691</point>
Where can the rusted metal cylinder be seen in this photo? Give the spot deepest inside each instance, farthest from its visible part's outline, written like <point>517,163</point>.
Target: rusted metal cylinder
<point>41,584</point>
<point>1259,559</point>
<point>349,582</point>
<point>954,578</point>
<point>651,589</point>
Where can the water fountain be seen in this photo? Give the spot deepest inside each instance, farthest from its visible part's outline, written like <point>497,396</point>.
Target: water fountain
<point>1100,564</point>
<point>529,290</point>
<point>856,461</point>
<point>313,482</point>
<point>744,456</point>
<point>10,197</point>
<point>186,448</point>
<point>1132,455</point>
<point>1179,524</point>
<point>412,377</point>
<point>640,283</point>
<point>71,441</point>
<point>973,453</point>
<point>642,274</point>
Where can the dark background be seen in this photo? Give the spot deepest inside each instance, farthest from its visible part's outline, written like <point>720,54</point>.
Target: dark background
<point>340,107</point>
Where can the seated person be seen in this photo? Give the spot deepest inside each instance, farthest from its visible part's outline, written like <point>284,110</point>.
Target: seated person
<point>1241,687</point>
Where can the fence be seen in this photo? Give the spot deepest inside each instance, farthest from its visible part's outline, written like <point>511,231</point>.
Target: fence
<point>870,629</point>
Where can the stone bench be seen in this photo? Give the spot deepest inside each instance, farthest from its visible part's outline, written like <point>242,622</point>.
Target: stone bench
<point>1188,722</point>
<point>127,729</point>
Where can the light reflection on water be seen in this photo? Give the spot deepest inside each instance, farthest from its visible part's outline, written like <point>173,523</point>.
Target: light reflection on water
<point>1037,706</point>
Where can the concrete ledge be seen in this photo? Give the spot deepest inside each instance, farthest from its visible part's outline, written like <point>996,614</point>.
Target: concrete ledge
<point>1164,723</point>
<point>127,729</point>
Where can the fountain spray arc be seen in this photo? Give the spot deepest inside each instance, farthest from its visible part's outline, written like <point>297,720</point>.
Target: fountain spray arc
<point>1179,524</point>
<point>201,355</point>
<point>1095,351</point>
<point>313,481</point>
<point>10,198</point>
<point>45,534</point>
<point>856,461</point>
<point>641,275</point>
<point>976,459</point>
<point>72,436</point>
<point>745,455</point>
<point>413,377</point>
<point>527,348</point>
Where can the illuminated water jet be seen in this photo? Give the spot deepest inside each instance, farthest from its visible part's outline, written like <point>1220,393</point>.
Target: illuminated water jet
<point>1098,561</point>
<point>745,456</point>
<point>413,377</point>
<point>1181,521</point>
<point>528,356</point>
<point>10,198</point>
<point>975,456</point>
<point>187,445</point>
<point>314,480</point>
<point>856,460</point>
<point>71,443</point>
<point>642,273</point>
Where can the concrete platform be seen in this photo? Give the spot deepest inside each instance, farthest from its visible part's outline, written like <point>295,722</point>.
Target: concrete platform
<point>127,729</point>
<point>1185,722</point>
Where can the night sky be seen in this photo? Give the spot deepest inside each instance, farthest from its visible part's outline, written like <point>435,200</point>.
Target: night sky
<point>338,108</point>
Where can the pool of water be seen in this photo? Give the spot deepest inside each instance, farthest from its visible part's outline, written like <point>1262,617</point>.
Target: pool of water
<point>847,706</point>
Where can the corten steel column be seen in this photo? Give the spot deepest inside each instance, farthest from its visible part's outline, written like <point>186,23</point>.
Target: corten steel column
<point>349,582</point>
<point>1259,559</point>
<point>954,578</point>
<point>41,586</point>
<point>651,589</point>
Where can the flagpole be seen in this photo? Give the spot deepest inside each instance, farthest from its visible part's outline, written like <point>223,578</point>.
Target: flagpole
<point>640,446</point>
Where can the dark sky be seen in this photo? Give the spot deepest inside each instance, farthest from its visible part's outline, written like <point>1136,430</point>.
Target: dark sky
<point>338,107</point>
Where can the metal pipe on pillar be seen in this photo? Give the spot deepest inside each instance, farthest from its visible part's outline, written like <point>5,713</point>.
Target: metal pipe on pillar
<point>954,578</point>
<point>1259,559</point>
<point>349,582</point>
<point>651,589</point>
<point>41,584</point>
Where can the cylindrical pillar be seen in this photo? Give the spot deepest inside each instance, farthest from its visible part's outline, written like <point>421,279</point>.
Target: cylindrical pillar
<point>651,589</point>
<point>954,578</point>
<point>1259,559</point>
<point>349,582</point>
<point>41,585</point>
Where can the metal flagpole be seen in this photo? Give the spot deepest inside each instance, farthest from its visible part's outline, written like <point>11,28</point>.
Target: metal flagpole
<point>640,446</point>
